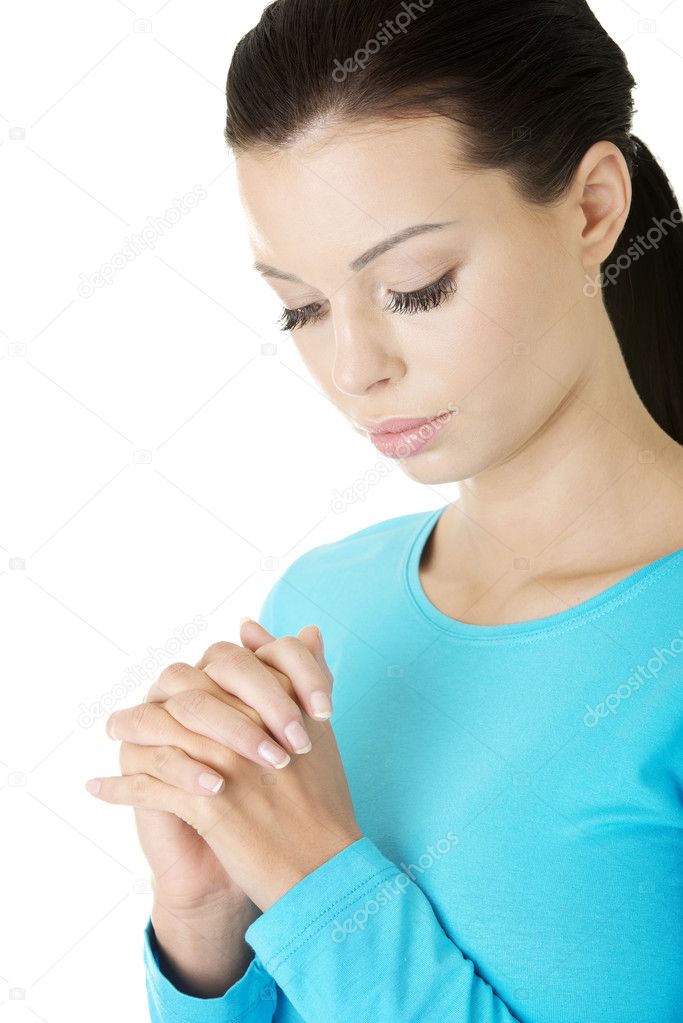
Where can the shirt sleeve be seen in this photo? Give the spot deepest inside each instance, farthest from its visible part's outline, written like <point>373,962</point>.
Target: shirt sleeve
<point>251,999</point>
<point>357,939</point>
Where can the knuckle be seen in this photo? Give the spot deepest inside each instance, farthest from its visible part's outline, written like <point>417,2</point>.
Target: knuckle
<point>172,671</point>
<point>291,643</point>
<point>140,716</point>
<point>193,700</point>
<point>162,756</point>
<point>223,651</point>
<point>241,731</point>
<point>250,712</point>
<point>140,786</point>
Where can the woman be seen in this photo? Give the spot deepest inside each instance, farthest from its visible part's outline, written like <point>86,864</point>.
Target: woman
<point>450,204</point>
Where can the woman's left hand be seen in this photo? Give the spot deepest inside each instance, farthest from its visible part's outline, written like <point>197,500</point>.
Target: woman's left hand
<point>268,828</point>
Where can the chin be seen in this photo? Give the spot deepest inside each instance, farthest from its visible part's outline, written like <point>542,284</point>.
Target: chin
<point>431,471</point>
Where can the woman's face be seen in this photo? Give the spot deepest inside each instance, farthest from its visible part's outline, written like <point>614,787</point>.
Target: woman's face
<point>498,353</point>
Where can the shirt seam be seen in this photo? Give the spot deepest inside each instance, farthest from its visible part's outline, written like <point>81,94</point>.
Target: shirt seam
<point>532,635</point>
<point>346,899</point>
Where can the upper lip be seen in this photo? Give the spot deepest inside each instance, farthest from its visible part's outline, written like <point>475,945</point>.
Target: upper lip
<point>397,424</point>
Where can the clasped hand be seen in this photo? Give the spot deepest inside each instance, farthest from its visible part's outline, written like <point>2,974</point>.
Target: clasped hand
<point>267,827</point>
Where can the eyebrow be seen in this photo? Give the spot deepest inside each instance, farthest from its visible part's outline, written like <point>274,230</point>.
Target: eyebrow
<point>367,257</point>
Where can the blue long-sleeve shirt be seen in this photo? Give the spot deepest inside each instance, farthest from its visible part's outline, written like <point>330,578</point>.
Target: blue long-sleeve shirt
<point>520,792</point>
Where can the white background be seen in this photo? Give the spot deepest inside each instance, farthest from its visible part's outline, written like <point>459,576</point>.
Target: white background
<point>156,465</point>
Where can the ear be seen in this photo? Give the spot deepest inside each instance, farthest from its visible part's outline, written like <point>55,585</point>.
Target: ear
<point>602,186</point>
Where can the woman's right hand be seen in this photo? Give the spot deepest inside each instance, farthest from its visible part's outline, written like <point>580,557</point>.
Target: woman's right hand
<point>188,879</point>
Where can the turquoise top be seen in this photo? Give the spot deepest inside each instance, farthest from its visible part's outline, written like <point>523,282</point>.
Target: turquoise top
<point>520,792</point>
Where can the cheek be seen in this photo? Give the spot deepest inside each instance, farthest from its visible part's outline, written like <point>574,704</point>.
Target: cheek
<point>504,352</point>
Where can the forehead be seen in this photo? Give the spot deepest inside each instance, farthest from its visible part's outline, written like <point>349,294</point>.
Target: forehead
<point>360,182</point>
<point>314,207</point>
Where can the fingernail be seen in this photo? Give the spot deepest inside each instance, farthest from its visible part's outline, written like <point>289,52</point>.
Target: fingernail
<point>245,619</point>
<point>321,704</point>
<point>274,754</point>
<point>210,781</point>
<point>93,786</point>
<point>298,737</point>
<point>110,727</point>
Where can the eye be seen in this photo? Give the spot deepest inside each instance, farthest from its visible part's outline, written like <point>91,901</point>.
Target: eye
<point>400,302</point>
<point>424,299</point>
<point>293,318</point>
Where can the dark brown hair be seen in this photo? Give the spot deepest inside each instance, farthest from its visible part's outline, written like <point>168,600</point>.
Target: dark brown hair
<point>531,84</point>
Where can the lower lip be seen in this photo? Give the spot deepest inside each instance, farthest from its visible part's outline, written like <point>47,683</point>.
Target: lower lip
<point>403,445</point>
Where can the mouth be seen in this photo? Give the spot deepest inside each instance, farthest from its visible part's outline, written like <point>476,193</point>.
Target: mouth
<point>400,438</point>
<point>399,424</point>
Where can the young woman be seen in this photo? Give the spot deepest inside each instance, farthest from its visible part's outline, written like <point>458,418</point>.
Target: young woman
<point>481,269</point>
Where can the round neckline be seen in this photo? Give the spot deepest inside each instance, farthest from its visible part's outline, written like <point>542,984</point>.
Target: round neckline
<point>547,623</point>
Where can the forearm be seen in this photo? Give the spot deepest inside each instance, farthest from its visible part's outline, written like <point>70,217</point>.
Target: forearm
<point>204,954</point>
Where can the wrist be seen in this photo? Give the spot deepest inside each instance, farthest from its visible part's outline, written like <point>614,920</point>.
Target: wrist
<point>203,952</point>
<point>290,874</point>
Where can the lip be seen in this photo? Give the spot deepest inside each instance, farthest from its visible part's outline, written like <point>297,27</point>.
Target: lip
<point>398,424</point>
<point>402,442</point>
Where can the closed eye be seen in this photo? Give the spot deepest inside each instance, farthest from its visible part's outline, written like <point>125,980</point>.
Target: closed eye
<point>408,302</point>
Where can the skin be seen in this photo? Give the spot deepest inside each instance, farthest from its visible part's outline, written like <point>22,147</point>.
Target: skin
<point>193,721</point>
<point>557,459</point>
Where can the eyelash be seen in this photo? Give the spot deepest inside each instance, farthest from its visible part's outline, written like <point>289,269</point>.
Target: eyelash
<point>407,302</point>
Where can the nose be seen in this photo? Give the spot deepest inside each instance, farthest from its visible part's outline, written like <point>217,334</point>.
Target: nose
<point>363,360</point>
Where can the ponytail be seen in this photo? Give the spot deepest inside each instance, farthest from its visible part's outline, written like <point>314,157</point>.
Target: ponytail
<point>643,290</point>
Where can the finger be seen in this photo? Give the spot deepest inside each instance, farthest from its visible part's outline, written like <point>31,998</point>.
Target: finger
<point>156,724</point>
<point>152,725</point>
<point>172,765</point>
<point>294,656</point>
<point>177,677</point>
<point>236,670</point>
<point>139,790</point>
<point>209,715</point>
<point>253,635</point>
<point>148,793</point>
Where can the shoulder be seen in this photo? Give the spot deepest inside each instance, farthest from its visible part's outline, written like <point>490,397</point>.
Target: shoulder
<point>327,577</point>
<point>378,534</point>
<point>370,546</point>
